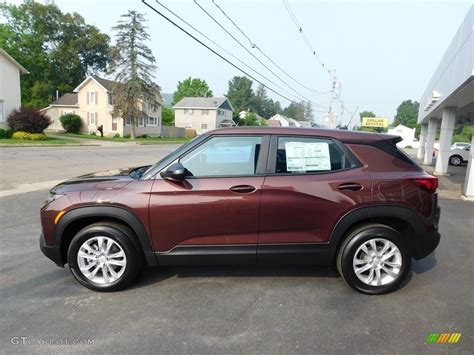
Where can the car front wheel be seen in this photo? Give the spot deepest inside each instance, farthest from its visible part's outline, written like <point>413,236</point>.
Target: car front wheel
<point>373,259</point>
<point>103,257</point>
<point>455,160</point>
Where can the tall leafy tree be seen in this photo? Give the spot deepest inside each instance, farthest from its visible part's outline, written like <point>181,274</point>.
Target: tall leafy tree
<point>296,110</point>
<point>191,87</point>
<point>58,49</point>
<point>366,114</point>
<point>167,116</point>
<point>132,65</point>
<point>240,93</point>
<point>263,105</point>
<point>308,111</point>
<point>407,114</point>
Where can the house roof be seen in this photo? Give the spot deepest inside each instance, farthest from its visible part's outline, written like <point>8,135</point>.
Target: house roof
<point>66,100</point>
<point>13,61</point>
<point>201,102</point>
<point>105,83</point>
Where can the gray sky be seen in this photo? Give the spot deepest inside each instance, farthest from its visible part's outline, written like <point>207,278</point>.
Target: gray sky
<point>384,52</point>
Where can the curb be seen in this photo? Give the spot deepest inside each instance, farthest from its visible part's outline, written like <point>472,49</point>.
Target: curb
<point>47,145</point>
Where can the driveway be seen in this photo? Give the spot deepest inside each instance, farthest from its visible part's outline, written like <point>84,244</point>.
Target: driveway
<point>248,309</point>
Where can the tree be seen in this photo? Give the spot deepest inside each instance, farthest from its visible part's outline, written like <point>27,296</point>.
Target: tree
<point>295,110</point>
<point>167,116</point>
<point>58,49</point>
<point>132,64</point>
<point>308,111</point>
<point>263,105</point>
<point>251,119</point>
<point>191,87</point>
<point>407,114</point>
<point>240,93</point>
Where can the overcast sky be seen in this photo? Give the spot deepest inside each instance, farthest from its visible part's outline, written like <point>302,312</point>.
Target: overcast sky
<point>383,52</point>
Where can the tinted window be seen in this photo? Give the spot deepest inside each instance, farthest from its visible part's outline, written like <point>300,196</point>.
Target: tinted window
<point>309,155</point>
<point>224,156</point>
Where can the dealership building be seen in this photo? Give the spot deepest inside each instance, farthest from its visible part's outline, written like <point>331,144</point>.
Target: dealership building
<point>449,100</point>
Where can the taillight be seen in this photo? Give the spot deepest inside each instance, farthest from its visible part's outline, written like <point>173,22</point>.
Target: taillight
<point>428,183</point>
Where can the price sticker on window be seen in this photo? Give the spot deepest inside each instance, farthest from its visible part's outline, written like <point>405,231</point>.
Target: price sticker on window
<point>302,157</point>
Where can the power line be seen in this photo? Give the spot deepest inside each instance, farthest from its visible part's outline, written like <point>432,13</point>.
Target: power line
<point>217,44</point>
<point>299,95</point>
<point>215,52</point>
<point>303,34</point>
<point>254,45</point>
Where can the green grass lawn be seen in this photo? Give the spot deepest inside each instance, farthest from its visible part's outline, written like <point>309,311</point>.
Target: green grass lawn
<point>148,140</point>
<point>50,140</point>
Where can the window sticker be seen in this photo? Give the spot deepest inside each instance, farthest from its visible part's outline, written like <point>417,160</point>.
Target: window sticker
<point>307,156</point>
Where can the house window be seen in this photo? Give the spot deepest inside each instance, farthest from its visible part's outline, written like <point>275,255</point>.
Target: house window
<point>111,99</point>
<point>221,112</point>
<point>67,112</point>
<point>91,118</point>
<point>188,111</point>
<point>141,122</point>
<point>205,112</point>
<point>92,98</point>
<point>2,111</point>
<point>152,121</point>
<point>203,125</point>
<point>153,106</point>
<point>114,123</point>
<point>128,122</point>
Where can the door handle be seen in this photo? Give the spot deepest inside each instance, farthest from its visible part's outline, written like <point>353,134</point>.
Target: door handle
<point>242,189</point>
<point>350,186</point>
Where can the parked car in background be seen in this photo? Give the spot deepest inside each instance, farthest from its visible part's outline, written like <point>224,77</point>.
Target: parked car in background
<point>262,195</point>
<point>457,156</point>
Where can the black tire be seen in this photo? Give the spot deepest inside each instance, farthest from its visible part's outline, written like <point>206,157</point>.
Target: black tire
<point>455,160</point>
<point>121,235</point>
<point>357,238</point>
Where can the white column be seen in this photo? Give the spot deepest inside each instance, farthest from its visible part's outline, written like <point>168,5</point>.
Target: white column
<point>445,139</point>
<point>421,148</point>
<point>468,191</point>
<point>430,138</point>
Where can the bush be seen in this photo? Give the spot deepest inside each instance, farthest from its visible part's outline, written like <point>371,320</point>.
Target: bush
<point>28,120</point>
<point>8,133</point>
<point>116,135</point>
<point>30,136</point>
<point>126,136</point>
<point>2,133</point>
<point>143,136</point>
<point>71,123</point>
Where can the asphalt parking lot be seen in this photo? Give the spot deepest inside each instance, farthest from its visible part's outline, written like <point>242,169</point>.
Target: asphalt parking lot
<point>249,309</point>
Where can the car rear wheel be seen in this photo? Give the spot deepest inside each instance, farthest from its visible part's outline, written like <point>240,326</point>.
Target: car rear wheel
<point>455,160</point>
<point>103,257</point>
<point>373,259</point>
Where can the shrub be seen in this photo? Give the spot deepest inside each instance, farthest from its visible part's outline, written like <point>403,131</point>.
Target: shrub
<point>126,136</point>
<point>8,133</point>
<point>143,136</point>
<point>92,133</point>
<point>116,135</point>
<point>30,136</point>
<point>2,133</point>
<point>28,120</point>
<point>71,123</point>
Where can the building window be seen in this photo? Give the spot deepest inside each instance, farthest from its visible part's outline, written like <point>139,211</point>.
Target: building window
<point>153,106</point>
<point>205,112</point>
<point>92,98</point>
<point>188,111</point>
<point>91,118</point>
<point>2,111</point>
<point>152,121</point>
<point>221,112</point>
<point>141,122</point>
<point>128,121</point>
<point>111,99</point>
<point>203,125</point>
<point>68,112</point>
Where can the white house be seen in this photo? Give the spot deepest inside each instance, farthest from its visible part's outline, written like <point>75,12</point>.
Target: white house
<point>285,121</point>
<point>407,134</point>
<point>10,93</point>
<point>203,113</point>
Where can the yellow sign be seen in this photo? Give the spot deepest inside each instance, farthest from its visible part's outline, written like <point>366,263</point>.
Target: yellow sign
<point>375,122</point>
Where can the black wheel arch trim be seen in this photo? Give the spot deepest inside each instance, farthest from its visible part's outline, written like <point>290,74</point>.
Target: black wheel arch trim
<point>406,214</point>
<point>115,212</point>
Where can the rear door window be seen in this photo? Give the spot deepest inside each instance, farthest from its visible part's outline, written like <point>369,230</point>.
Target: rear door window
<point>299,155</point>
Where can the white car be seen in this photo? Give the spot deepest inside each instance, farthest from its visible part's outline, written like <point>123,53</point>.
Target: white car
<point>457,156</point>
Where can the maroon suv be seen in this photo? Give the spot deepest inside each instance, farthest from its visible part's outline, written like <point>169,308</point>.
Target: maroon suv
<point>250,196</point>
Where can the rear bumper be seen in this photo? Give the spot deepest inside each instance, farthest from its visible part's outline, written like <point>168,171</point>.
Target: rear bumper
<point>52,252</point>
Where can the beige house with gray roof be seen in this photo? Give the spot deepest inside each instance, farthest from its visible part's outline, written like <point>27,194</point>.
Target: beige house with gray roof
<point>203,114</point>
<point>92,100</point>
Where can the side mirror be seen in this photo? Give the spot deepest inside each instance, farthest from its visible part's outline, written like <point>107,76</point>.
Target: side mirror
<point>175,172</point>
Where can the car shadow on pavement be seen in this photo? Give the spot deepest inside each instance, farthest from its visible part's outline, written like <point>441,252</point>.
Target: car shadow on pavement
<point>154,275</point>
<point>425,264</point>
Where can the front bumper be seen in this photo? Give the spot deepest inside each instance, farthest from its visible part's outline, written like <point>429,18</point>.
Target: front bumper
<point>52,252</point>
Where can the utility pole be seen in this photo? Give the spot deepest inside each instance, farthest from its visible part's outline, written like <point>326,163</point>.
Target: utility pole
<point>334,88</point>
<point>342,113</point>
